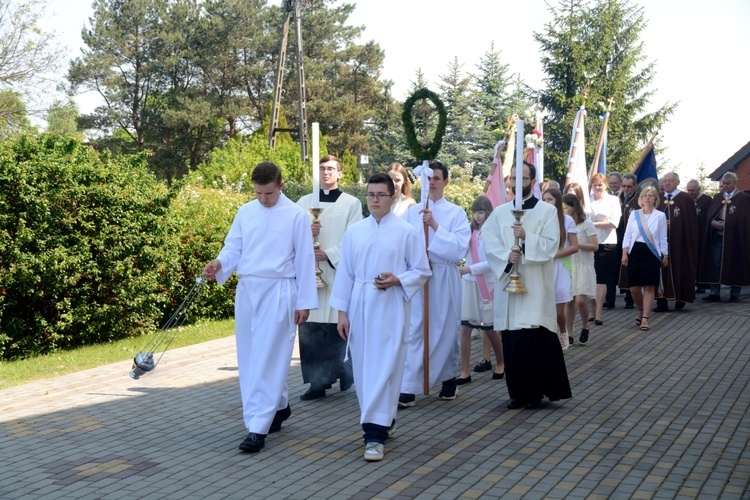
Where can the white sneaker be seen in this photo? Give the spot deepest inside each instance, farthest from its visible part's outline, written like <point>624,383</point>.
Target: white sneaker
<point>392,430</point>
<point>563,340</point>
<point>374,452</point>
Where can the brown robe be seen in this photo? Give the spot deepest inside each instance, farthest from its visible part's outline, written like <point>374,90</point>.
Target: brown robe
<point>627,209</point>
<point>682,240</point>
<point>701,209</point>
<point>735,260</point>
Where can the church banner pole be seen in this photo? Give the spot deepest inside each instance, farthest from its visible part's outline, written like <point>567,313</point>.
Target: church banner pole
<point>424,150</point>
<point>426,311</point>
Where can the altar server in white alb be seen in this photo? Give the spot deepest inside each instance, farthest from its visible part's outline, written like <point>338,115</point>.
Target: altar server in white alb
<point>270,247</point>
<point>383,264</point>
<point>448,241</point>
<point>321,350</point>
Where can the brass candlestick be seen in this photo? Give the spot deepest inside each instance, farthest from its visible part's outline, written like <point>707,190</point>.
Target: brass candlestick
<point>316,246</point>
<point>515,285</point>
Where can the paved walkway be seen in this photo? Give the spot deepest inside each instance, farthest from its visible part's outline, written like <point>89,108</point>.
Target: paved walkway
<point>662,414</point>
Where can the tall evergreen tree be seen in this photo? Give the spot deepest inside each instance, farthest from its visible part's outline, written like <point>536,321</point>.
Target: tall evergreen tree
<point>387,138</point>
<point>462,128</point>
<point>498,97</point>
<point>596,46</point>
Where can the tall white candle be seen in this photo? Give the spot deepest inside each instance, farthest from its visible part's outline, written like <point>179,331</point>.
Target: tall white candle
<point>315,164</point>
<point>519,165</point>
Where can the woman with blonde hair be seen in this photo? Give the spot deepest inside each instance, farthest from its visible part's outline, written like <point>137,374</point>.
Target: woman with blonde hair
<point>644,252</point>
<point>400,178</point>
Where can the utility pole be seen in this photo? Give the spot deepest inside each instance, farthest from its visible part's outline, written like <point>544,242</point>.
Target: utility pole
<point>290,6</point>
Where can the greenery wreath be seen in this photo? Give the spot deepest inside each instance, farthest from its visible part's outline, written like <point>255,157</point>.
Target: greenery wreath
<point>420,152</point>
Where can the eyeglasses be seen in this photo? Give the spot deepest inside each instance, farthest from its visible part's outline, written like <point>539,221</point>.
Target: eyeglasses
<point>377,196</point>
<point>328,169</point>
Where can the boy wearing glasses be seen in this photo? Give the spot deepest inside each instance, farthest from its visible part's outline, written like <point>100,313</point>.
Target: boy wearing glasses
<point>383,264</point>
<point>321,349</point>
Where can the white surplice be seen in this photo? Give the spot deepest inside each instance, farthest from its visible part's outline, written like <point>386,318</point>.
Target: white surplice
<point>271,250</point>
<point>446,248</point>
<point>334,221</point>
<point>379,319</point>
<point>536,307</point>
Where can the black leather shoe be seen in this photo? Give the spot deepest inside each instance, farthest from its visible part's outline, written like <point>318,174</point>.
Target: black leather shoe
<point>463,381</point>
<point>609,305</point>
<point>711,298</point>
<point>734,299</point>
<point>346,383</point>
<point>515,404</point>
<point>533,406</point>
<point>279,418</point>
<point>629,306</point>
<point>498,376</point>
<point>406,400</point>
<point>313,394</point>
<point>679,305</point>
<point>253,443</point>
<point>661,306</point>
<point>449,390</point>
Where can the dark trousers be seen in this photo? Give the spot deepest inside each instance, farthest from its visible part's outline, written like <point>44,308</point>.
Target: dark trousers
<point>374,433</point>
<point>718,246</point>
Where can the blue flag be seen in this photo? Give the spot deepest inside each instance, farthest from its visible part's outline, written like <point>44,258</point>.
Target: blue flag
<point>602,167</point>
<point>647,168</point>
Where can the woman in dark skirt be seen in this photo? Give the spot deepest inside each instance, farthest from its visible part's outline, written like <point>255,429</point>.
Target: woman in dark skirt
<point>644,252</point>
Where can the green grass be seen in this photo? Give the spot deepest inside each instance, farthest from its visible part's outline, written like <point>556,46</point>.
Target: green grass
<point>13,373</point>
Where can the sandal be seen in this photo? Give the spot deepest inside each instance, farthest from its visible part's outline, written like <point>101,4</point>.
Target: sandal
<point>644,328</point>
<point>638,321</point>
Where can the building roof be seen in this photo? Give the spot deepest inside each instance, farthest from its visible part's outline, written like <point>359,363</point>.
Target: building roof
<point>731,163</point>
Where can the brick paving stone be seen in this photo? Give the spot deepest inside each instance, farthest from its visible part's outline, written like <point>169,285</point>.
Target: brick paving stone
<point>655,425</point>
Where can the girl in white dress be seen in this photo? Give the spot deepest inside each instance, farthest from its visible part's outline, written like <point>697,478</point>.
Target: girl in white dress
<point>584,275</point>
<point>477,295</point>
<point>568,246</point>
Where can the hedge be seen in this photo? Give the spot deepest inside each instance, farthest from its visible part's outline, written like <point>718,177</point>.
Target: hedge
<point>86,249</point>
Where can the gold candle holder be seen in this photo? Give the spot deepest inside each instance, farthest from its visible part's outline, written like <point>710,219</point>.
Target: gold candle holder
<point>316,246</point>
<point>515,285</point>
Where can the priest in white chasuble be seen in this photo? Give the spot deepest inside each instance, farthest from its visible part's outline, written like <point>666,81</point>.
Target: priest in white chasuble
<point>321,349</point>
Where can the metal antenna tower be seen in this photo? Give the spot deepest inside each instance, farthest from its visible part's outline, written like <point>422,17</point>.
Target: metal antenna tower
<point>291,7</point>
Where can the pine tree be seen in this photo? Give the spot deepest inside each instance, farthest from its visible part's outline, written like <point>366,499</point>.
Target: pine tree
<point>597,47</point>
<point>462,127</point>
<point>498,96</point>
